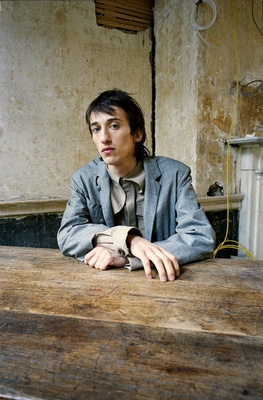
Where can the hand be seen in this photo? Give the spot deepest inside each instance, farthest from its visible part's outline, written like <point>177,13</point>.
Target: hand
<point>103,258</point>
<point>165,262</point>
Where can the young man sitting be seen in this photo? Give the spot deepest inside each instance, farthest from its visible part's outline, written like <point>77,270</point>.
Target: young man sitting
<point>128,209</point>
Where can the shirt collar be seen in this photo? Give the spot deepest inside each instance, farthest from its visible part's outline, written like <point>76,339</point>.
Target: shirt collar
<point>137,175</point>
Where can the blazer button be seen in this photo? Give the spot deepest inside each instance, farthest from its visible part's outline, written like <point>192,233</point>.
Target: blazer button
<point>101,221</point>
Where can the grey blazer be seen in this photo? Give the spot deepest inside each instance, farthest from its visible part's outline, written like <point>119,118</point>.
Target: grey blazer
<point>173,218</point>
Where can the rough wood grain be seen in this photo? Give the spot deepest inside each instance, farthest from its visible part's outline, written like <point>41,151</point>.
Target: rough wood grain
<point>52,357</point>
<point>214,295</point>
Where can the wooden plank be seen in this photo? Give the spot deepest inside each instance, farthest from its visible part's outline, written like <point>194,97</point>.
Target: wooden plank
<point>132,15</point>
<point>125,20</point>
<point>215,295</point>
<point>134,5</point>
<point>124,8</point>
<point>118,15</point>
<point>49,357</point>
<point>129,25</point>
<point>122,14</point>
<point>120,26</point>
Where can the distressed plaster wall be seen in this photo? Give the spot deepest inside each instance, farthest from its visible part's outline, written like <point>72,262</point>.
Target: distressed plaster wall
<point>176,83</point>
<point>54,60</point>
<point>194,85</point>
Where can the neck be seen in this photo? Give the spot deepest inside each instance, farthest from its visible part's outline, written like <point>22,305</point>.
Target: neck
<point>123,170</point>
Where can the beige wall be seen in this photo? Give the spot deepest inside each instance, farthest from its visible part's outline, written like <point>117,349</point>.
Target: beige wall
<point>195,102</point>
<point>176,84</point>
<point>54,60</point>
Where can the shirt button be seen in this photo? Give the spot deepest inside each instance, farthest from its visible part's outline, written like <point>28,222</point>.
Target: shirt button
<point>121,252</point>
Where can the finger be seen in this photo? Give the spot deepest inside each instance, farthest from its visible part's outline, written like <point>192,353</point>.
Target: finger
<point>165,267</point>
<point>107,259</point>
<point>158,263</point>
<point>103,263</point>
<point>147,267</point>
<point>98,258</point>
<point>92,261</point>
<point>171,265</point>
<point>154,255</point>
<point>89,256</point>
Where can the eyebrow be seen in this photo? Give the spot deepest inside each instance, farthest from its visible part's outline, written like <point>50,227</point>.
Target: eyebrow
<point>108,120</point>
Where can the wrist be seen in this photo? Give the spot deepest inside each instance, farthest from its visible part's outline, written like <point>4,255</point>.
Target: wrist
<point>132,233</point>
<point>129,239</point>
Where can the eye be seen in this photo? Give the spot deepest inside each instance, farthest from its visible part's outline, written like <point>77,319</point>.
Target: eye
<point>115,126</point>
<point>96,129</point>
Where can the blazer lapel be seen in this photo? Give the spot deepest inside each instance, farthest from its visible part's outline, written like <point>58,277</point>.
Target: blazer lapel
<point>103,184</point>
<point>152,190</point>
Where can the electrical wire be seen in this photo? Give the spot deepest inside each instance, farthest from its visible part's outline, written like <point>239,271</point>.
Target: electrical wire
<point>232,244</point>
<point>208,25</point>
<point>252,93</point>
<point>252,9</point>
<point>194,15</point>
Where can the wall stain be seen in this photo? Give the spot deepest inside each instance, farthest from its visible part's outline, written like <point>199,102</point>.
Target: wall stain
<point>61,17</point>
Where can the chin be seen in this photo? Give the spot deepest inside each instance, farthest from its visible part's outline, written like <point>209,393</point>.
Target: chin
<point>108,160</point>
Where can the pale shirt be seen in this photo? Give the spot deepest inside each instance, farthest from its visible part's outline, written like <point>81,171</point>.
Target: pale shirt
<point>127,199</point>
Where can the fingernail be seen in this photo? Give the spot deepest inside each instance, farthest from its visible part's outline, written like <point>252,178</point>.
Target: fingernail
<point>171,277</point>
<point>163,278</point>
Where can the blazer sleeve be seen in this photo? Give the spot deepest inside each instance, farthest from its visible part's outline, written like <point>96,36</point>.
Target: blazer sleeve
<point>194,237</point>
<point>81,220</point>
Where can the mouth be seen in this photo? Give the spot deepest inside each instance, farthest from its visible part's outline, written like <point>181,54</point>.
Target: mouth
<point>107,150</point>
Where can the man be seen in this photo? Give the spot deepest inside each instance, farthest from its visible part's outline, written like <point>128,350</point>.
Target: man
<point>128,209</point>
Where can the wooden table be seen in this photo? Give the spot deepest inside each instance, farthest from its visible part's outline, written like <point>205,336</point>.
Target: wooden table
<point>72,332</point>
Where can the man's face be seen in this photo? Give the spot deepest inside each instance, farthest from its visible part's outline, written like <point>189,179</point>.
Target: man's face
<point>112,137</point>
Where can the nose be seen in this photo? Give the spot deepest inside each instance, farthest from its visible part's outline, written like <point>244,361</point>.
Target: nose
<point>105,135</point>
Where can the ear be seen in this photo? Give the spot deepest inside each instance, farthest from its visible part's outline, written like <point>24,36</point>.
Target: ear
<point>138,136</point>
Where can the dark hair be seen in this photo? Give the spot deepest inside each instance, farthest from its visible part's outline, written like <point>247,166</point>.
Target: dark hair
<point>110,99</point>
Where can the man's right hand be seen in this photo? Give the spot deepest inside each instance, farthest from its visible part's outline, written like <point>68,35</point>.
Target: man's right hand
<point>104,258</point>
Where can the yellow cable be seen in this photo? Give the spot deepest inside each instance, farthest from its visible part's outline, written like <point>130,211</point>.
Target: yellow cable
<point>232,244</point>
